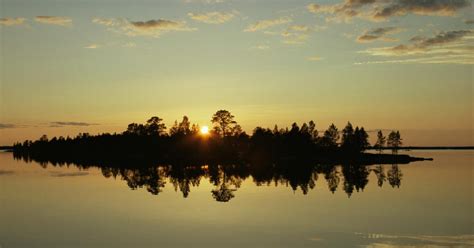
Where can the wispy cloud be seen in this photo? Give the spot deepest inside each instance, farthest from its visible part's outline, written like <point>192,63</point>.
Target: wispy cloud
<point>153,28</point>
<point>296,34</point>
<point>265,24</point>
<point>314,8</point>
<point>12,21</point>
<point>69,174</point>
<point>450,47</point>
<point>314,58</point>
<point>7,125</point>
<point>70,123</point>
<point>299,34</point>
<point>421,44</point>
<point>92,46</point>
<point>378,34</point>
<point>159,24</point>
<point>343,11</point>
<point>444,59</point>
<point>426,7</point>
<point>212,17</point>
<point>109,22</point>
<point>54,20</point>
<point>378,10</point>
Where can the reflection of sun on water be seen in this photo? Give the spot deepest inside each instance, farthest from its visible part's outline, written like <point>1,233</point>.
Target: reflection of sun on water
<point>204,130</point>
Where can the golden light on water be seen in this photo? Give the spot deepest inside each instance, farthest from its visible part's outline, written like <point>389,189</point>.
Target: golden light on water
<point>204,130</point>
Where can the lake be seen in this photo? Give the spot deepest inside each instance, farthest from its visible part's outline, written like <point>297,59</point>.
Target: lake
<point>427,203</point>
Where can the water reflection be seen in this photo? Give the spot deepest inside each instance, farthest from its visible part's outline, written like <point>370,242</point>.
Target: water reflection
<point>417,205</point>
<point>228,178</point>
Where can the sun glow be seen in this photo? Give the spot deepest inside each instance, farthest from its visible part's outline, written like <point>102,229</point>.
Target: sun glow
<point>204,130</point>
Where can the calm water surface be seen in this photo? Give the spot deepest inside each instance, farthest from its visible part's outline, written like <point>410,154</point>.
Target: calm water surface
<point>423,204</point>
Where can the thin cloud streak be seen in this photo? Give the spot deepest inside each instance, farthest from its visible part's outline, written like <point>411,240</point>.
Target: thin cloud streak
<point>54,20</point>
<point>153,28</point>
<point>427,7</point>
<point>296,34</point>
<point>109,22</point>
<point>378,34</point>
<point>265,24</point>
<point>381,10</point>
<point>421,44</point>
<point>212,17</point>
<point>12,21</point>
<point>449,47</point>
<point>92,46</point>
<point>314,58</point>
<point>70,123</point>
<point>69,174</point>
<point>446,59</point>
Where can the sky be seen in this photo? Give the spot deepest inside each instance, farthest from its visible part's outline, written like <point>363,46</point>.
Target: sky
<point>95,66</point>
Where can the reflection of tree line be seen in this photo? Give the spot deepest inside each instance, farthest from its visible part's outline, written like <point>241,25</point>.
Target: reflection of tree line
<point>228,178</point>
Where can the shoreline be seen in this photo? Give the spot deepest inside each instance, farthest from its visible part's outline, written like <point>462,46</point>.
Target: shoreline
<point>406,148</point>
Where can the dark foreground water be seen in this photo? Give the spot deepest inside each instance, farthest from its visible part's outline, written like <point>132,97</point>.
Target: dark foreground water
<point>422,204</point>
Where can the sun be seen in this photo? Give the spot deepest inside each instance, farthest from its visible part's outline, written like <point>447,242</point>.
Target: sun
<point>204,130</point>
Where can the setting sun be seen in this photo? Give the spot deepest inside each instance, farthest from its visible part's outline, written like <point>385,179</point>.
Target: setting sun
<point>204,130</point>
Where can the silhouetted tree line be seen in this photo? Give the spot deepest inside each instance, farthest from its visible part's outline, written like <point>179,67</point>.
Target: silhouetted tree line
<point>226,142</point>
